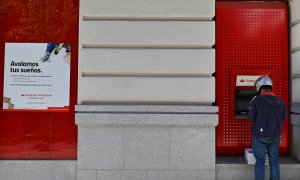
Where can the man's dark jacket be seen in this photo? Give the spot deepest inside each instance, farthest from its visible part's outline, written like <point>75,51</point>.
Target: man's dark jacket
<point>268,113</point>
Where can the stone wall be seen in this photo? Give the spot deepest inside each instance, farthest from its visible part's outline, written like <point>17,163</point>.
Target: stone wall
<point>295,77</point>
<point>146,142</point>
<point>38,169</point>
<point>145,90</point>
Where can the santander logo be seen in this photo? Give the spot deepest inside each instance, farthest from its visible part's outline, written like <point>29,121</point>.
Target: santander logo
<point>246,80</point>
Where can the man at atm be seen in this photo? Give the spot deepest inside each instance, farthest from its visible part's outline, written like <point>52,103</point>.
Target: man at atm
<point>267,112</point>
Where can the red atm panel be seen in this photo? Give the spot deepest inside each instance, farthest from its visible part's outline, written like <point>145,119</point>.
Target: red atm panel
<point>251,40</point>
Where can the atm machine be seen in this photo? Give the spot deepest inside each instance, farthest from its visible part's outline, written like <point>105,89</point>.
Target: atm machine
<point>251,41</point>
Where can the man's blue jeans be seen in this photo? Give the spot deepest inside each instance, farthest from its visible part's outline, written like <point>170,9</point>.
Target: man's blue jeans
<point>260,146</point>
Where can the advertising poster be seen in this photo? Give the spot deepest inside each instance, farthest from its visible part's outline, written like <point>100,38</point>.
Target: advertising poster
<point>36,77</point>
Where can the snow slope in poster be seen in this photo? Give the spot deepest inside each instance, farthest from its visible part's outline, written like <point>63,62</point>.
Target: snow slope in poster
<point>35,79</point>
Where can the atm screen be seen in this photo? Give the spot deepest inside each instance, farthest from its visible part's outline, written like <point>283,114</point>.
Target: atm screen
<point>242,102</point>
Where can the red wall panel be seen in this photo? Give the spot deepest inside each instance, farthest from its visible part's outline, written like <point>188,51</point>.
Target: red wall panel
<point>251,39</point>
<point>39,135</point>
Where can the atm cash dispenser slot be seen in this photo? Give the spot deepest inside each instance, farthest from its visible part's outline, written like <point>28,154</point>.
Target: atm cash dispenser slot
<point>243,98</point>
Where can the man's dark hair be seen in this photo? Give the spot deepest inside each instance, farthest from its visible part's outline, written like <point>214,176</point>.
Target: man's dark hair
<point>266,88</point>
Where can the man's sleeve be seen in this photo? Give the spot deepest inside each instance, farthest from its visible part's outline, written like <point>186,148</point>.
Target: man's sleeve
<point>252,111</point>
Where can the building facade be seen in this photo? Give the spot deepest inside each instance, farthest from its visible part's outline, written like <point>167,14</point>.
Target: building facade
<point>142,93</point>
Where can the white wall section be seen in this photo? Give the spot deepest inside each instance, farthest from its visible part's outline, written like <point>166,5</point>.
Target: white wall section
<point>203,8</point>
<point>148,61</point>
<point>295,37</point>
<point>295,77</point>
<point>294,11</point>
<point>147,89</point>
<point>295,47</point>
<point>146,51</point>
<point>295,64</point>
<point>148,32</point>
<point>295,90</point>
